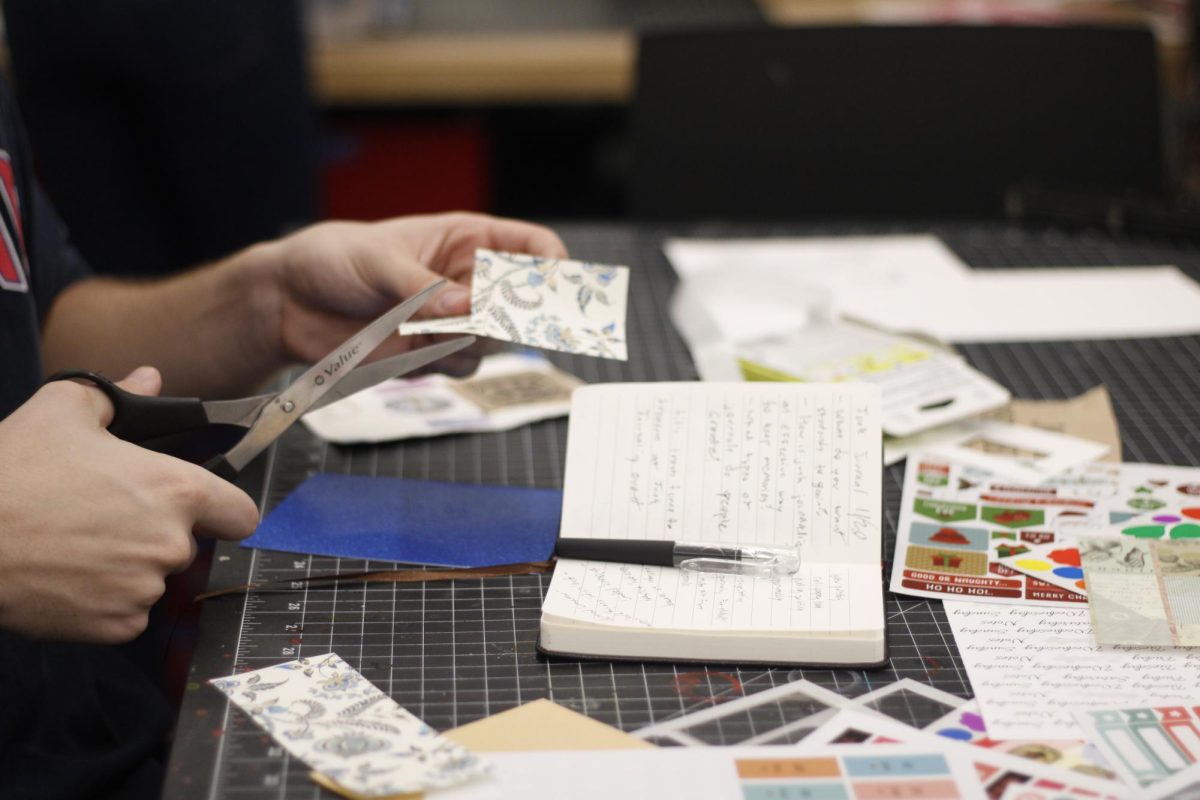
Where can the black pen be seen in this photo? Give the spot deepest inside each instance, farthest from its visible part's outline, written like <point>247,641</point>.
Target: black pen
<point>697,557</point>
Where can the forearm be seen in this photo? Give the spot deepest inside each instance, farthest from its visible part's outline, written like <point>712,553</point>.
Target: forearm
<point>211,332</point>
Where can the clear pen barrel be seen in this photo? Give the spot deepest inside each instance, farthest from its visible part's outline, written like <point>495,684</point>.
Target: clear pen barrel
<point>751,560</point>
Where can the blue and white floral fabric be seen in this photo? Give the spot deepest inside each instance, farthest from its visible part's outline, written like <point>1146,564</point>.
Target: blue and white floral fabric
<point>328,715</point>
<point>550,303</point>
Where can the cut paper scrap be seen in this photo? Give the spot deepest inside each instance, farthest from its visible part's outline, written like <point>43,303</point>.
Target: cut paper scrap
<point>554,304</point>
<point>415,522</point>
<point>1087,416</point>
<point>965,724</point>
<point>1018,452</point>
<point>1146,744</point>
<point>921,386</point>
<point>994,768</point>
<point>325,713</point>
<point>1030,666</point>
<point>507,391</point>
<point>808,706</point>
<point>541,725</point>
<point>1056,563</point>
<point>1143,591</point>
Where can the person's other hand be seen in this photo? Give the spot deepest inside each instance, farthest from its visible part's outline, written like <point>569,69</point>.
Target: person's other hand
<point>337,276</point>
<point>91,525</point>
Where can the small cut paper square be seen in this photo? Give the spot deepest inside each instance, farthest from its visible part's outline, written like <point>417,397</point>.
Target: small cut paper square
<point>550,303</point>
<point>328,715</point>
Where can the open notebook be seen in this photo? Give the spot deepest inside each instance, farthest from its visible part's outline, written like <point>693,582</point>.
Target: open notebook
<point>780,465</point>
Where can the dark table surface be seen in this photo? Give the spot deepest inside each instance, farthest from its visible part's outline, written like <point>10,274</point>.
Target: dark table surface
<point>455,652</point>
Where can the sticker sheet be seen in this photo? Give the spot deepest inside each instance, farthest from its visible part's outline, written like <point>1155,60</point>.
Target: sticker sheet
<point>965,724</point>
<point>780,715</point>
<point>1030,666</point>
<point>995,770</point>
<point>961,525</point>
<point>1145,744</point>
<point>860,771</point>
<point>958,522</point>
<point>864,772</point>
<point>1128,490</point>
<point>555,304</point>
<point>1183,785</point>
<point>507,391</point>
<point>1056,563</point>
<point>325,713</point>
<point>786,714</point>
<point>922,386</point>
<point>1143,591</point>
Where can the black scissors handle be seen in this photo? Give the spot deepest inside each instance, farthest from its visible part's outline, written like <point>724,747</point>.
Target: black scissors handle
<point>138,418</point>
<point>177,426</point>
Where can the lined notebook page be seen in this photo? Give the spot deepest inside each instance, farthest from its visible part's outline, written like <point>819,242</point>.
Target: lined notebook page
<point>783,465</point>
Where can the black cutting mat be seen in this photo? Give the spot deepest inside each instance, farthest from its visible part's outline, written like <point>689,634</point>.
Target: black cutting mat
<point>452,653</point>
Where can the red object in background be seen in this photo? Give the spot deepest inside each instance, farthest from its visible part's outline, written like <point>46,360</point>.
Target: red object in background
<point>376,168</point>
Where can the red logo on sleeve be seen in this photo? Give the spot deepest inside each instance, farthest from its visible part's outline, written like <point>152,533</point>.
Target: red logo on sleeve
<point>13,264</point>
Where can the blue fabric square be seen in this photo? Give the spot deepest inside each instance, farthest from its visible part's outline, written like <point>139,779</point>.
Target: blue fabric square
<point>417,522</point>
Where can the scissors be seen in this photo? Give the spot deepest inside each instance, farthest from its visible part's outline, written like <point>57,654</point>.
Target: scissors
<point>226,435</point>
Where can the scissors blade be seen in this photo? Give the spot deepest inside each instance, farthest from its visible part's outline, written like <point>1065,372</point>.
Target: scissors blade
<point>290,404</point>
<point>366,376</point>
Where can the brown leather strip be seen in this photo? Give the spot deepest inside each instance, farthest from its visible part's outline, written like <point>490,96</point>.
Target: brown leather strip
<point>390,576</point>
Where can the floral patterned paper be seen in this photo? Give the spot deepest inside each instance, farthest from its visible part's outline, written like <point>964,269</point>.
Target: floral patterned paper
<point>554,304</point>
<point>340,724</point>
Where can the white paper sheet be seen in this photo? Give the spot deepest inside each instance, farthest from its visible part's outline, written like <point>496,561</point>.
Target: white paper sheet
<point>734,290</point>
<point>994,766</point>
<point>842,262</point>
<point>1030,666</point>
<point>1037,304</point>
<point>779,465</point>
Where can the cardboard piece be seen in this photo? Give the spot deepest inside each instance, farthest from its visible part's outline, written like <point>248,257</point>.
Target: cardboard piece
<point>1087,416</point>
<point>541,725</point>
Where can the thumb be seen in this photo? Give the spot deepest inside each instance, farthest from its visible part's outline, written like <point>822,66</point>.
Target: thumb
<point>454,300</point>
<point>143,380</point>
<point>404,279</point>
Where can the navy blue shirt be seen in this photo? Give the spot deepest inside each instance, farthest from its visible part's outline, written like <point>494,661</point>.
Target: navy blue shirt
<point>36,262</point>
<point>75,720</point>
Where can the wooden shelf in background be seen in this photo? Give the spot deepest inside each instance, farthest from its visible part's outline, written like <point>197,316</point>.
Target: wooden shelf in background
<point>455,69</point>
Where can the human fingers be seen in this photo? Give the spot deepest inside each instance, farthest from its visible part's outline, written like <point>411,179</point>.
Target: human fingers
<point>466,231</point>
<point>216,507</point>
<point>143,381</point>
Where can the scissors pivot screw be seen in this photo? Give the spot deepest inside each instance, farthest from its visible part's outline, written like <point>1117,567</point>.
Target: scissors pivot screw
<point>289,407</point>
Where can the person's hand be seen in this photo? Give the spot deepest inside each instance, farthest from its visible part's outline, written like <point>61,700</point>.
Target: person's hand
<point>337,276</point>
<point>90,525</point>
